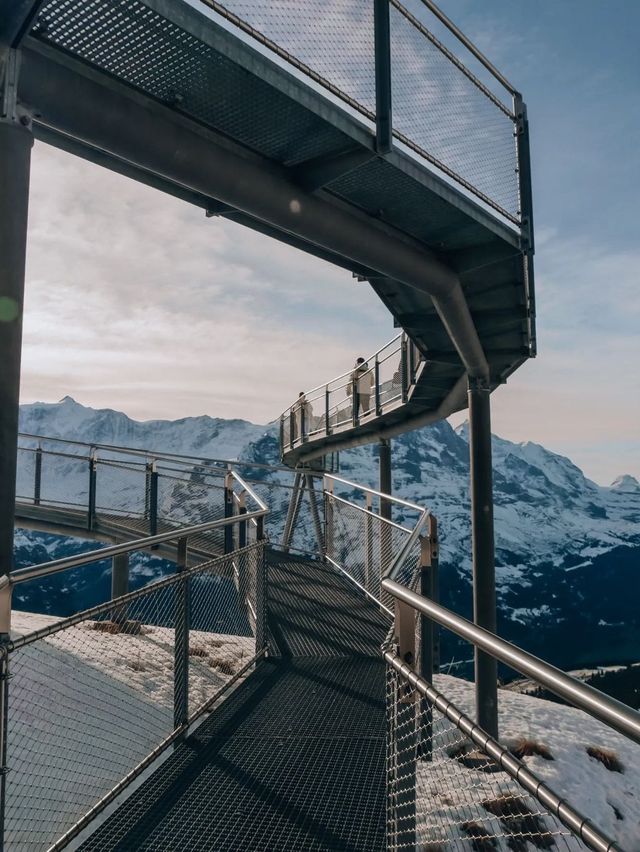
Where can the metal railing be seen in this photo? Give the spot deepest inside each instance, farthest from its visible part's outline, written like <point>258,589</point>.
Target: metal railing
<point>448,781</point>
<point>363,541</point>
<point>122,492</point>
<point>381,383</point>
<point>96,698</point>
<point>444,102</point>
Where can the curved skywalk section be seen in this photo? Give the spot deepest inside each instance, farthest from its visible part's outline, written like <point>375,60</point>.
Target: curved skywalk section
<point>368,401</point>
<point>373,145</point>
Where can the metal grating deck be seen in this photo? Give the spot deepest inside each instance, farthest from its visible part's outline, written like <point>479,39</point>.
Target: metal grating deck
<point>295,758</point>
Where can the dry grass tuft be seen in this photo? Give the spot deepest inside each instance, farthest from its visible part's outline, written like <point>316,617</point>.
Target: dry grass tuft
<point>521,825</point>
<point>525,747</point>
<point>198,651</point>
<point>607,757</point>
<point>132,628</point>
<point>481,839</point>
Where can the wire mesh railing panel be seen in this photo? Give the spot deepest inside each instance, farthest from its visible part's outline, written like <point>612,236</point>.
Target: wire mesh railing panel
<point>333,40</point>
<point>364,544</point>
<point>444,792</point>
<point>26,475</point>
<point>440,109</point>
<point>64,480</point>
<point>94,696</point>
<point>86,705</point>
<point>120,489</point>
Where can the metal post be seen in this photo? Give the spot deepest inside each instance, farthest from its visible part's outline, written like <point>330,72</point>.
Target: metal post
<point>282,434</point>
<point>37,483</point>
<point>384,460</point>
<point>292,427</point>
<point>119,575</point>
<point>242,526</point>
<point>228,512</point>
<point>292,512</point>
<point>484,582</point>
<point>152,500</point>
<point>384,126</point>
<point>327,425</point>
<point>368,552</point>
<point>524,172</point>
<point>4,730</point>
<point>120,584</point>
<point>376,373</point>
<point>404,368</point>
<point>91,502</point>
<point>406,732</point>
<point>16,141</point>
<point>262,591</point>
<point>328,519</point>
<point>355,410</point>
<point>181,641</point>
<point>313,504</point>
<point>428,571</point>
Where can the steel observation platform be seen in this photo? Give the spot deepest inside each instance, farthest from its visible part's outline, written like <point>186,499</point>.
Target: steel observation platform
<point>368,141</point>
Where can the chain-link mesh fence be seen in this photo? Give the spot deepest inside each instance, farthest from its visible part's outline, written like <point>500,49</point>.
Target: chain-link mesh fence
<point>365,543</point>
<point>441,109</point>
<point>445,792</point>
<point>92,696</point>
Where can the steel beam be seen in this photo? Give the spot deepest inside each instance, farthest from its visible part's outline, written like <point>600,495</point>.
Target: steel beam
<point>111,119</point>
<point>482,537</point>
<point>382,36</point>
<point>16,141</point>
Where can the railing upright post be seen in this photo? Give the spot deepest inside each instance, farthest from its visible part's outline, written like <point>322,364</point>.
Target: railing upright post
<point>327,406</point>
<point>406,739</point>
<point>404,367</point>
<point>242,526</point>
<point>37,482</point>
<point>369,585</point>
<point>355,401</point>
<point>228,512</point>
<point>152,496</point>
<point>328,519</point>
<point>382,36</point>
<point>181,640</point>
<point>93,472</point>
<point>377,386</point>
<point>282,433</point>
<point>120,583</point>
<point>427,665</point>
<point>292,427</point>
<point>262,590</point>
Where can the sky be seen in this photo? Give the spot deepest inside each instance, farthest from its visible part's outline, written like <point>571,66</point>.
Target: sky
<point>138,302</point>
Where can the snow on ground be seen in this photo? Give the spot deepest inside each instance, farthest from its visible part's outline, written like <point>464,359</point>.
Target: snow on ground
<point>611,800</point>
<point>86,706</point>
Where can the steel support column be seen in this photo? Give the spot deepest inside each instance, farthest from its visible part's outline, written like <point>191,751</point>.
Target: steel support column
<point>16,141</point>
<point>484,581</point>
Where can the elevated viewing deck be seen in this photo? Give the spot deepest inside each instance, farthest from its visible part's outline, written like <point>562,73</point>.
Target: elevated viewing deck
<point>230,107</point>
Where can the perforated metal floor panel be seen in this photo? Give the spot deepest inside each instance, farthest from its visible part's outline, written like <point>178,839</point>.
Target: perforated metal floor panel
<point>295,758</point>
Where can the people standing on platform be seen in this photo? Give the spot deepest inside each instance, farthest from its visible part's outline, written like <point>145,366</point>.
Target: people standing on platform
<point>361,386</point>
<point>301,409</point>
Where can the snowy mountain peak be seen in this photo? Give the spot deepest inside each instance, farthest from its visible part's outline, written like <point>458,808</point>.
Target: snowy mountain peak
<point>626,483</point>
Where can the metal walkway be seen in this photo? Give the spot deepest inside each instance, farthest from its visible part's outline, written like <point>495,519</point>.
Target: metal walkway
<point>295,758</point>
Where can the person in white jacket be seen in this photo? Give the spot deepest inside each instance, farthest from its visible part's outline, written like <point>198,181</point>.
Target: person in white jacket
<point>362,386</point>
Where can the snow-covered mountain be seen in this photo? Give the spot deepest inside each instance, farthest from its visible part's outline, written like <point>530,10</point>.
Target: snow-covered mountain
<point>567,549</point>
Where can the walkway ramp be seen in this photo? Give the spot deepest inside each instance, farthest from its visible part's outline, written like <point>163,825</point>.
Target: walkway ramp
<point>295,758</point>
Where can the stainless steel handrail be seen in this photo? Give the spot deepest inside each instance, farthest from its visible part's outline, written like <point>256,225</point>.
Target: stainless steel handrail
<point>170,457</point>
<point>389,497</point>
<point>618,716</point>
<point>348,372</point>
<point>517,770</point>
<point>45,569</point>
<point>370,513</point>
